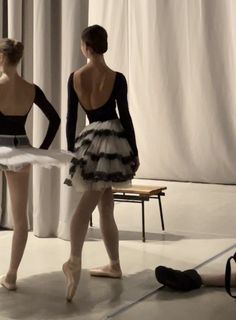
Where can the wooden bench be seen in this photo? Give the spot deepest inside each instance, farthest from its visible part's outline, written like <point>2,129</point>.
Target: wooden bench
<point>140,194</point>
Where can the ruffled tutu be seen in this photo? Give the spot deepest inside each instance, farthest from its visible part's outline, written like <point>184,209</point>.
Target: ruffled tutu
<point>103,157</point>
<point>16,152</point>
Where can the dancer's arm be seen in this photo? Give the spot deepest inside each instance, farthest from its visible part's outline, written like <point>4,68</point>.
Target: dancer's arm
<point>125,118</point>
<point>72,112</point>
<point>54,120</point>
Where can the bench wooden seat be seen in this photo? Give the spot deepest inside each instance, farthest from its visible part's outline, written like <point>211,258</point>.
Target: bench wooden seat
<point>140,189</point>
<point>140,194</point>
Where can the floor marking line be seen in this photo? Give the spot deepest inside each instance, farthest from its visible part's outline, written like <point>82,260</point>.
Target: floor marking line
<point>215,257</point>
<point>130,305</point>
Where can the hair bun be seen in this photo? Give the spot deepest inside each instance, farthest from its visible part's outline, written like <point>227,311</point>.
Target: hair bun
<point>18,46</point>
<point>95,37</point>
<point>12,49</point>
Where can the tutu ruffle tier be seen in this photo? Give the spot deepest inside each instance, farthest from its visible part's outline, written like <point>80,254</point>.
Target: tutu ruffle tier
<point>16,152</point>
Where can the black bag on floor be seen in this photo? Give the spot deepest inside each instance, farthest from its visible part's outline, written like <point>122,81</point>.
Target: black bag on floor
<point>228,275</point>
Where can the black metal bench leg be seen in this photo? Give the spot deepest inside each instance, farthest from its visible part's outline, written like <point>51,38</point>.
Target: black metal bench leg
<point>143,222</point>
<point>161,213</point>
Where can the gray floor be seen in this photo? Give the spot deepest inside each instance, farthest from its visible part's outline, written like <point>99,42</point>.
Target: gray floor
<point>41,283</point>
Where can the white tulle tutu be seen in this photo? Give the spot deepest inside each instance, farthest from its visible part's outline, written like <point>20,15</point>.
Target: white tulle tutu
<point>103,157</point>
<point>16,152</point>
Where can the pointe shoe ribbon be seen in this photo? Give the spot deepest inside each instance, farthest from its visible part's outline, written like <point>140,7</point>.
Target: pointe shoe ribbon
<point>6,285</point>
<point>72,273</point>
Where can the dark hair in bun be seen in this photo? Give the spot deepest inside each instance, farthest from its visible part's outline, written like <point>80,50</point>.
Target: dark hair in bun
<point>95,37</point>
<point>12,49</point>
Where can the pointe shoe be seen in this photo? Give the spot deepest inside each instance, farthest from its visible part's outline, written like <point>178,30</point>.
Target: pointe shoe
<point>7,285</point>
<point>72,273</point>
<point>106,271</point>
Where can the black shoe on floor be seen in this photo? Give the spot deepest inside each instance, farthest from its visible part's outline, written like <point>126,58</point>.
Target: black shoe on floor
<point>178,280</point>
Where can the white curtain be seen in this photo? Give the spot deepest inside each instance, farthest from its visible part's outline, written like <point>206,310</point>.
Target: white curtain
<point>2,12</point>
<point>1,15</point>
<point>113,16</point>
<point>51,32</point>
<point>180,59</point>
<point>1,29</point>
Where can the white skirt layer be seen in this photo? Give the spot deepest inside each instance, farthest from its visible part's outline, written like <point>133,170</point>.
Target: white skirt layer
<point>103,157</point>
<point>14,158</point>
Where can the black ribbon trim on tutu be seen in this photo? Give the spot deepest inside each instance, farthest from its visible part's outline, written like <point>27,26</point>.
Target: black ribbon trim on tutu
<point>97,175</point>
<point>102,155</point>
<point>68,182</point>
<point>102,176</point>
<point>75,163</point>
<point>102,132</point>
<point>106,177</point>
<point>84,143</point>
<point>110,156</point>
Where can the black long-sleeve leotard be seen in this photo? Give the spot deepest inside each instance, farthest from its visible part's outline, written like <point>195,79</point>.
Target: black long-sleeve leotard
<point>51,114</point>
<point>15,125</point>
<point>103,113</point>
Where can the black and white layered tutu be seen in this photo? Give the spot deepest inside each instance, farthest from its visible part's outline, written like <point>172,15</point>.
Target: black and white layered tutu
<point>103,157</point>
<point>17,152</point>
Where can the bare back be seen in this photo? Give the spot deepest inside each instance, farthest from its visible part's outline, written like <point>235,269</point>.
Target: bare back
<point>16,96</point>
<point>94,86</point>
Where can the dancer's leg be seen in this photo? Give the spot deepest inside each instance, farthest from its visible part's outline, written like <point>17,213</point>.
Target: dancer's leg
<point>80,220</point>
<point>18,187</point>
<point>79,227</point>
<point>108,225</point>
<point>217,280</point>
<point>190,279</point>
<point>110,236</point>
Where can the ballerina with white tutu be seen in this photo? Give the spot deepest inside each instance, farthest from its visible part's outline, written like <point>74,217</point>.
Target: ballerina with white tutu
<point>105,152</point>
<point>16,153</point>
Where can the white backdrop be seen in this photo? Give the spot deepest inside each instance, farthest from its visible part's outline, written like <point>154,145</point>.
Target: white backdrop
<point>1,27</point>
<point>180,58</point>
<point>51,32</point>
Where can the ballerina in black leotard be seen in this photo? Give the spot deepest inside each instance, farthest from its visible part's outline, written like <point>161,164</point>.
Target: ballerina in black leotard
<point>16,154</point>
<point>105,152</point>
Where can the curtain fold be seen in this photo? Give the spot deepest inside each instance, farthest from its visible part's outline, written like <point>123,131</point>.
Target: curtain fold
<point>43,181</point>
<point>1,21</point>
<point>181,61</point>
<point>4,18</point>
<point>72,25</point>
<point>12,27</point>
<point>50,31</point>
<point>15,19</point>
<point>179,57</point>
<point>113,16</point>
<point>1,34</point>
